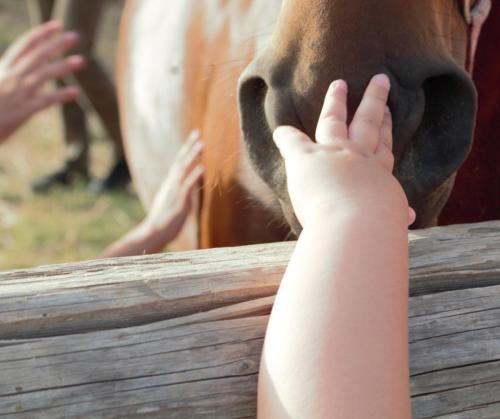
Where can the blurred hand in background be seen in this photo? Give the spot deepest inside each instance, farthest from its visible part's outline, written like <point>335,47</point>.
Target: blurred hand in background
<point>28,64</point>
<point>171,206</point>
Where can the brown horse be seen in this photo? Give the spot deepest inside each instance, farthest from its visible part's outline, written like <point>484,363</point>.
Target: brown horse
<point>179,69</point>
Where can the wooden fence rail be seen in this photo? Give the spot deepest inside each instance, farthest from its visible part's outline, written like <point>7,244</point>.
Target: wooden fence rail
<point>179,335</point>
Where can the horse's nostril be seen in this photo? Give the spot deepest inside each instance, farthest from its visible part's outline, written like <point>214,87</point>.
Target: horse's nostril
<point>258,84</point>
<point>440,144</point>
<point>252,97</point>
<point>252,92</point>
<point>449,116</point>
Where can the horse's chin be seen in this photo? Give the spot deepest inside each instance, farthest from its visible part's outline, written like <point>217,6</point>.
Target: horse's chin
<point>291,218</point>
<point>256,187</point>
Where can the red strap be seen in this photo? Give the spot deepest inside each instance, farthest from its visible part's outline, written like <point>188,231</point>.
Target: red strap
<point>475,19</point>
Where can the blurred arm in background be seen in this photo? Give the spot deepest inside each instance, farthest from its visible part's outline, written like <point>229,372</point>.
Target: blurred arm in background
<point>27,65</point>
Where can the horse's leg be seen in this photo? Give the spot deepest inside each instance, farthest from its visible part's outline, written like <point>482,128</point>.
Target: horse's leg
<point>40,10</point>
<point>94,80</point>
<point>75,128</point>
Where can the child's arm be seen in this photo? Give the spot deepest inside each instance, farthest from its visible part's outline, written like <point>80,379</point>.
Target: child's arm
<point>170,209</point>
<point>337,340</point>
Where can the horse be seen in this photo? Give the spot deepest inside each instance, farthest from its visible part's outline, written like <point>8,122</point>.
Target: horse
<point>476,196</point>
<point>194,64</point>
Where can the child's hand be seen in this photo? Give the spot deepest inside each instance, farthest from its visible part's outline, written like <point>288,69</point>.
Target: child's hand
<point>172,202</point>
<point>348,168</point>
<point>27,65</point>
<point>170,208</point>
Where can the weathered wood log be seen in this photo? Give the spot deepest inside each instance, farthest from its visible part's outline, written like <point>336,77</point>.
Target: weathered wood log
<point>180,335</point>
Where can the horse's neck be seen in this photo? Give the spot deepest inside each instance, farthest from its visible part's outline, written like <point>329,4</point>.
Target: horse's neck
<point>246,20</point>
<point>180,62</point>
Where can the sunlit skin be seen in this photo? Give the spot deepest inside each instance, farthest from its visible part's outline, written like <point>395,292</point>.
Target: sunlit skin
<point>170,208</point>
<point>337,341</point>
<point>32,61</point>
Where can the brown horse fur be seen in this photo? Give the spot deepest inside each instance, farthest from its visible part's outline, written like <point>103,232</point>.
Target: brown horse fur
<point>310,46</point>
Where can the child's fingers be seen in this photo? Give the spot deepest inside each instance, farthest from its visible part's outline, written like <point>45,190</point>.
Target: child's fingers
<point>186,163</point>
<point>332,122</point>
<point>66,94</point>
<point>191,181</point>
<point>386,130</point>
<point>384,149</point>
<point>55,70</point>
<point>367,122</point>
<point>47,51</point>
<point>30,40</point>
<point>193,140</point>
<point>290,140</point>
<point>385,157</point>
<point>193,137</point>
<point>412,216</point>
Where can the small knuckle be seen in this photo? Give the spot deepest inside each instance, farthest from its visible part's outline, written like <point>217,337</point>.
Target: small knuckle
<point>60,68</point>
<point>368,119</point>
<point>378,97</point>
<point>333,119</point>
<point>377,91</point>
<point>31,80</point>
<point>386,141</point>
<point>387,158</point>
<point>339,95</point>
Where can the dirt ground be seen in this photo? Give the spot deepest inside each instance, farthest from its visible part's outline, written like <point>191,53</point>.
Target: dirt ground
<point>64,225</point>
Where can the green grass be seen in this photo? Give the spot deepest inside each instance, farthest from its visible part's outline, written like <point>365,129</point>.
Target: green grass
<point>66,225</point>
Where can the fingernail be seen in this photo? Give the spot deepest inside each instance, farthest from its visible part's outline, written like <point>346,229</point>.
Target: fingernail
<point>387,110</point>
<point>339,85</point>
<point>194,136</point>
<point>382,80</point>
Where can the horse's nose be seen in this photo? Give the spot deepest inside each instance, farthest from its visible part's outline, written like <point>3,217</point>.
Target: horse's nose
<point>258,95</point>
<point>252,92</point>
<point>267,99</point>
<point>266,102</point>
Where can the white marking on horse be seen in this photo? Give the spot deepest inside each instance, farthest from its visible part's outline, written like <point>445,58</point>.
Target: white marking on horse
<point>156,82</point>
<point>154,77</point>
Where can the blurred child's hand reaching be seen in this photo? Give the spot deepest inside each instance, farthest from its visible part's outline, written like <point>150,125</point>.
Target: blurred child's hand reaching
<point>349,168</point>
<point>171,206</point>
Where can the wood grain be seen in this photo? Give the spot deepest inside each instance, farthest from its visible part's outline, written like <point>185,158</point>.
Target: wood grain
<point>180,335</point>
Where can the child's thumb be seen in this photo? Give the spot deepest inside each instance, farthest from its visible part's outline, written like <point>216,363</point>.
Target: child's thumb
<point>289,139</point>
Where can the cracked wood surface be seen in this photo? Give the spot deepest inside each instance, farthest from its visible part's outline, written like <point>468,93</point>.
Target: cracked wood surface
<point>179,335</point>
